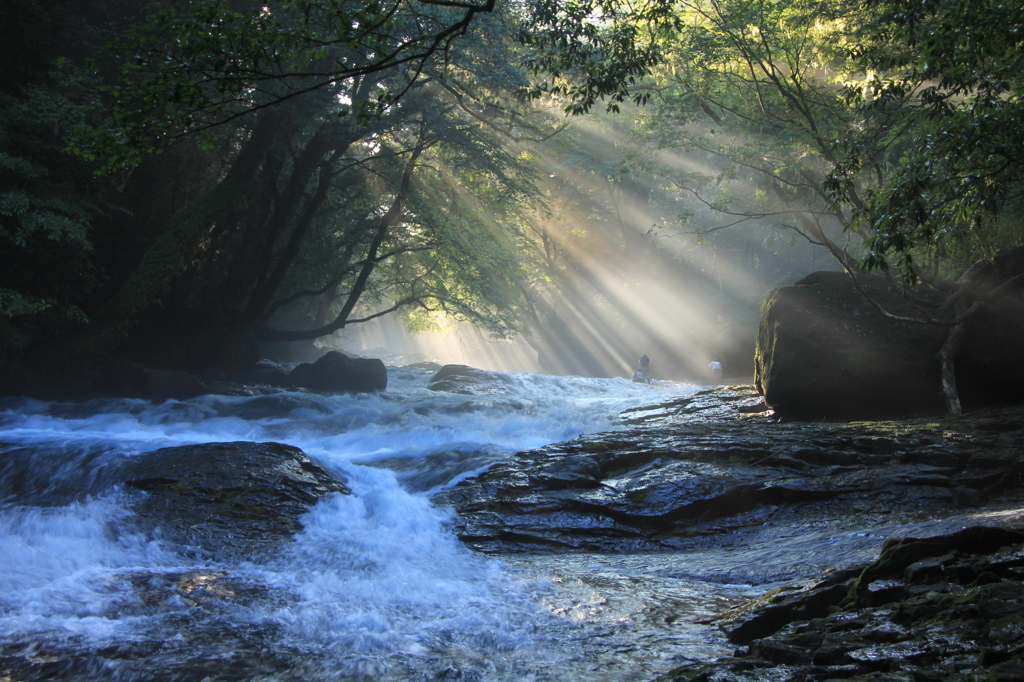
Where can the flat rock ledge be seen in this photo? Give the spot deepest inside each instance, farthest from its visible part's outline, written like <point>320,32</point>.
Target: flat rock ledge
<point>710,468</point>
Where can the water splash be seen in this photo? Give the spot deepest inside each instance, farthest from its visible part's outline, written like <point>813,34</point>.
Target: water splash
<point>375,586</point>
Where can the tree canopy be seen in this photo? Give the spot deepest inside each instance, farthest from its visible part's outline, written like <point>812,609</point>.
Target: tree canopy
<point>281,170</point>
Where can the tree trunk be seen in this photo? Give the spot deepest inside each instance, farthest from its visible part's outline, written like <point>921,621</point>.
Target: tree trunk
<point>387,221</point>
<point>963,313</point>
<point>169,255</point>
<point>946,357</point>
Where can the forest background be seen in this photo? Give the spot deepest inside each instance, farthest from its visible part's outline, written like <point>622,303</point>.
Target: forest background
<point>192,185</point>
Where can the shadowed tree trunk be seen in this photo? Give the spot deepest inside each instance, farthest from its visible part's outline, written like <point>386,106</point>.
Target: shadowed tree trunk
<point>168,257</point>
<point>368,264</point>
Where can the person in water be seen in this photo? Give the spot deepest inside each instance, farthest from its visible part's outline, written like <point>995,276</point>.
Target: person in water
<point>715,368</point>
<point>643,370</point>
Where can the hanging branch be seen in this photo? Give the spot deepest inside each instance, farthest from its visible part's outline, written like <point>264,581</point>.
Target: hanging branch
<point>387,221</point>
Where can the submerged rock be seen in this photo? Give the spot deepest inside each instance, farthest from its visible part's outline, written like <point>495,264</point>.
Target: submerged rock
<point>945,607</point>
<point>467,380</point>
<point>220,509</point>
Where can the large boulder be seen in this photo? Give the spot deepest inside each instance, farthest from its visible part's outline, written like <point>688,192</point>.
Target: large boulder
<point>336,371</point>
<point>468,380</point>
<point>990,364</point>
<point>824,350</point>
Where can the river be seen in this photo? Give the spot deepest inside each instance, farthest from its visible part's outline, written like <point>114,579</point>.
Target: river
<point>376,586</point>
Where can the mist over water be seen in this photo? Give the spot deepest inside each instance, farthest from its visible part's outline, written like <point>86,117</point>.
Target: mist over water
<point>374,586</point>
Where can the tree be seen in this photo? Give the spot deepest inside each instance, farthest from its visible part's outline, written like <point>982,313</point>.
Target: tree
<point>194,67</point>
<point>951,71</point>
<point>887,134</point>
<point>50,201</point>
<point>954,67</point>
<point>317,204</point>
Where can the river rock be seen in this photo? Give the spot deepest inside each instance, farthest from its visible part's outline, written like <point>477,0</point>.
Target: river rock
<point>824,351</point>
<point>467,380</point>
<point>990,365</point>
<point>716,465</point>
<point>236,499</point>
<point>335,371</point>
<point>959,621</point>
<point>218,507</point>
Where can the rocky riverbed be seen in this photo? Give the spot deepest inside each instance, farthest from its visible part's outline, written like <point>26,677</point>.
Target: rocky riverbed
<point>890,549</point>
<point>639,548</point>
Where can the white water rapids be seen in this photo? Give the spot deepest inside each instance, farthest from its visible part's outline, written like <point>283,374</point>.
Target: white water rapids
<point>374,587</point>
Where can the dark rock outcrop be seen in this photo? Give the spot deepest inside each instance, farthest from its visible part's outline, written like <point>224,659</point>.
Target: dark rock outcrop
<point>236,499</point>
<point>824,350</point>
<point>935,608</point>
<point>990,365</point>
<point>336,371</point>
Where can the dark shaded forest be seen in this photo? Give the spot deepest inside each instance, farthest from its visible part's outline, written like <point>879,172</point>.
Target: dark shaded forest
<point>196,185</point>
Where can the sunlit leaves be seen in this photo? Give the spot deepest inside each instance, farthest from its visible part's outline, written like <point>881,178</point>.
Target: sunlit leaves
<point>953,72</point>
<point>592,50</point>
<point>751,94</point>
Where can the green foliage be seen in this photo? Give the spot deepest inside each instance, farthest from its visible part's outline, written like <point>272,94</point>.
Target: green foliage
<point>46,251</point>
<point>747,116</point>
<point>900,124</point>
<point>458,249</point>
<point>192,67</point>
<point>590,50</point>
<point>950,73</point>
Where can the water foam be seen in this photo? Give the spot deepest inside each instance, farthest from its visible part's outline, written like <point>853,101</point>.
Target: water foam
<point>62,570</point>
<point>374,580</point>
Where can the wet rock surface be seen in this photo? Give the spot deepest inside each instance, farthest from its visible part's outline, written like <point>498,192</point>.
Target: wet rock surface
<point>335,371</point>
<point>467,380</point>
<point>689,504</point>
<point>891,550</point>
<point>940,608</point>
<point>226,499</point>
<point>717,469</point>
<point>213,506</point>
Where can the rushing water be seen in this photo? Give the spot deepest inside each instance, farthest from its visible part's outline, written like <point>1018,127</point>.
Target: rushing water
<point>374,587</point>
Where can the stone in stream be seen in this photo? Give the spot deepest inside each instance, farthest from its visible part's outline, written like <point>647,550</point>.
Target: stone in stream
<point>962,621</point>
<point>700,468</point>
<point>226,499</point>
<point>218,506</point>
<point>468,380</point>
<point>825,351</point>
<point>336,371</point>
